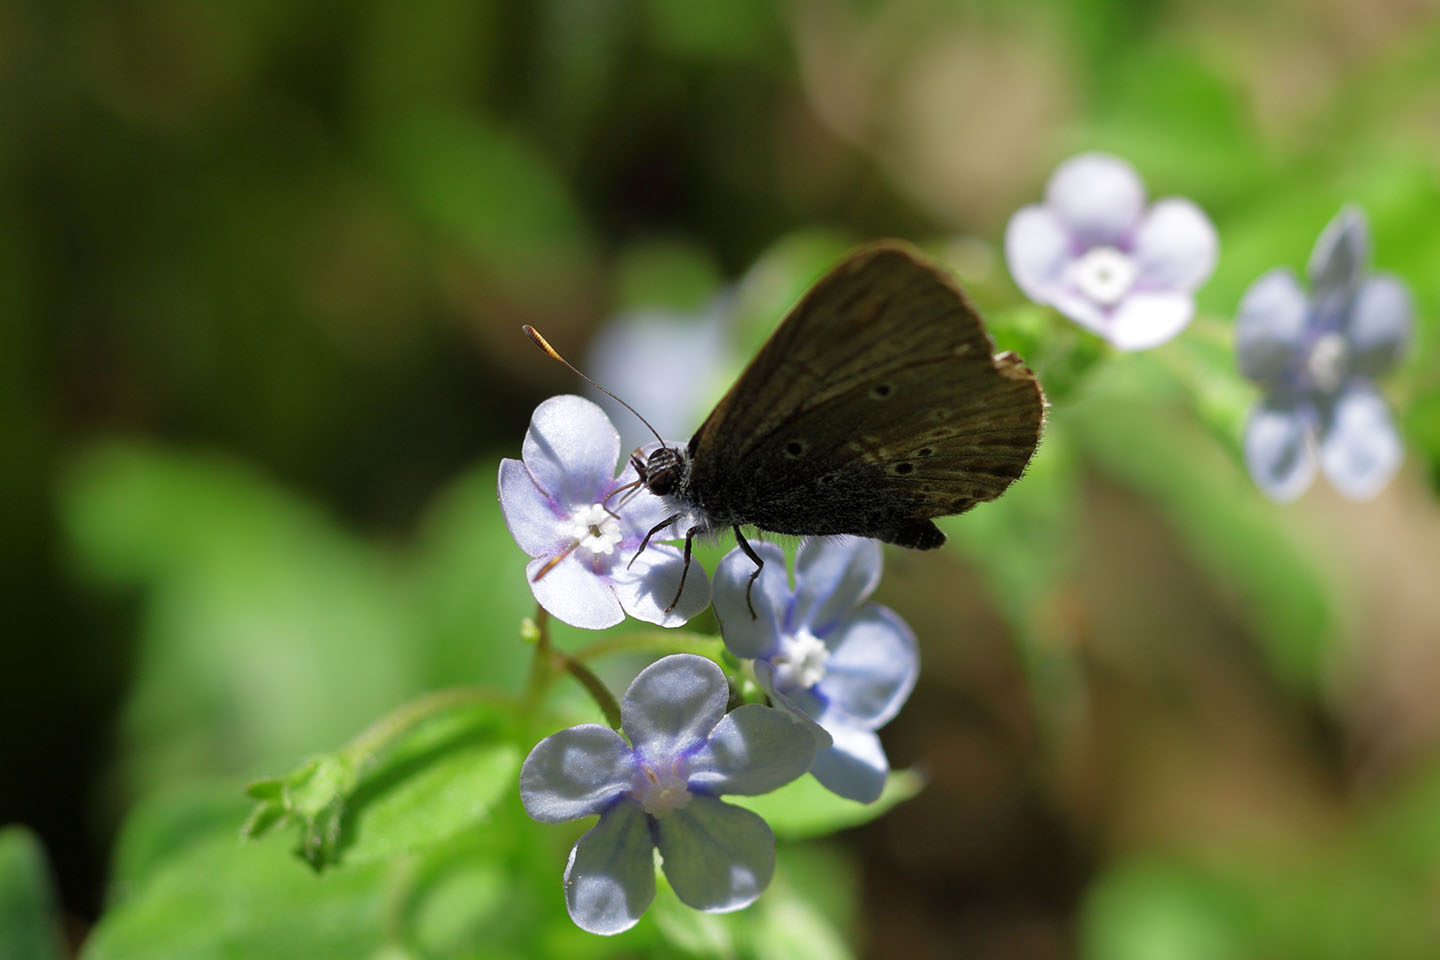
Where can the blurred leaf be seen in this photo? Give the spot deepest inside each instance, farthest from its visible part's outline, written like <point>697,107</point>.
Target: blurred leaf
<point>219,899</point>
<point>467,582</point>
<point>669,275</point>
<point>1146,443</point>
<point>492,191</point>
<point>29,924</point>
<point>1162,910</point>
<point>804,808</point>
<point>734,29</point>
<point>1185,127</point>
<point>268,633</point>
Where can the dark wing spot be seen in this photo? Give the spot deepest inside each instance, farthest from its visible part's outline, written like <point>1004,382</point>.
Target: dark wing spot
<point>794,449</point>
<point>881,390</point>
<point>924,451</point>
<point>904,468</point>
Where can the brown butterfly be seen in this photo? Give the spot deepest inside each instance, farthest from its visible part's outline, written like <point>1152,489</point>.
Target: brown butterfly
<point>878,404</point>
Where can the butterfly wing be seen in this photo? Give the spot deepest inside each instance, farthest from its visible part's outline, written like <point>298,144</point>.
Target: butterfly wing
<point>876,405</point>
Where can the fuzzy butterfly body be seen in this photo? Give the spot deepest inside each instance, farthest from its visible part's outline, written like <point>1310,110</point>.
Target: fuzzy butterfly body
<point>877,405</point>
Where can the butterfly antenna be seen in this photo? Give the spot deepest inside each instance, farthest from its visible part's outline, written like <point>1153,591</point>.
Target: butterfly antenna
<point>554,354</point>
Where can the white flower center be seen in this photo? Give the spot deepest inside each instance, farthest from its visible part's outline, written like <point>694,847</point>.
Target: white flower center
<point>1104,274</point>
<point>661,790</point>
<point>1327,362</point>
<point>801,662</point>
<point>593,529</point>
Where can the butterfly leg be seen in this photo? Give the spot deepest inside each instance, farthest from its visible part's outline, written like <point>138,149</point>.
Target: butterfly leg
<point>685,570</point>
<point>646,542</point>
<point>759,565</point>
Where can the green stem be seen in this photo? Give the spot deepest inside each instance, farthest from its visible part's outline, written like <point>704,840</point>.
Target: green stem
<point>389,728</point>
<point>549,661</point>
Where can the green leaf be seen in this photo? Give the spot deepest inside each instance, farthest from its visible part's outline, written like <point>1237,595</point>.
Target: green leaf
<point>430,771</point>
<point>216,898</point>
<point>29,923</point>
<point>804,808</point>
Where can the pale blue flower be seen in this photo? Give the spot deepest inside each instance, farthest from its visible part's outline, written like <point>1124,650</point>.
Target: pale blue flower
<point>842,665</point>
<point>562,508</point>
<point>1095,253</point>
<point>660,791</point>
<point>1316,358</point>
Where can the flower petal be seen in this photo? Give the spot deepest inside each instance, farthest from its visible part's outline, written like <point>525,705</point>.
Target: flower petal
<point>874,662</point>
<point>1378,328</point>
<point>575,773</point>
<point>747,637</point>
<point>574,593</point>
<point>754,749</point>
<point>571,449</point>
<point>1340,253</point>
<point>1359,448</point>
<point>1037,248</point>
<point>530,517</point>
<point>672,706</point>
<point>803,705</point>
<point>646,587</point>
<point>610,879</point>
<point>1176,247</point>
<point>717,857</point>
<point>1270,326</point>
<point>855,767</point>
<point>833,576</point>
<point>1081,309</point>
<point>1145,320</point>
<point>1098,197</point>
<point>1277,449</point>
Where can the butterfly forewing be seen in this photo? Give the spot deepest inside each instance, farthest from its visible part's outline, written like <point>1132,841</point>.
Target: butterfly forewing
<point>877,404</point>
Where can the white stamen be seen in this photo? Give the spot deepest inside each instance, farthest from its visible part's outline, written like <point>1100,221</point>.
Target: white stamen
<point>593,529</point>
<point>661,790</point>
<point>801,663</point>
<point>1104,274</point>
<point>1327,362</point>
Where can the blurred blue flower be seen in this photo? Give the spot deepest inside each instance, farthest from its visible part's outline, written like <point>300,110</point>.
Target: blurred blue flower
<point>843,666</point>
<point>1096,254</point>
<point>660,791</point>
<point>1315,357</point>
<point>559,507</point>
<point>662,363</point>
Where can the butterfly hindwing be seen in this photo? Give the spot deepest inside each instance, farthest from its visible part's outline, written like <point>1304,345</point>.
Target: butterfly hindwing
<point>877,405</point>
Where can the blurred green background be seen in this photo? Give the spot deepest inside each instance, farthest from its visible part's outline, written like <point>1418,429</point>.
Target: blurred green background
<point>262,269</point>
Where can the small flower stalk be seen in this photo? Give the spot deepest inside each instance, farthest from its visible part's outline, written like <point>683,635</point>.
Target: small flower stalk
<point>840,665</point>
<point>1316,358</point>
<point>582,526</point>
<point>660,789</point>
<point>1094,252</point>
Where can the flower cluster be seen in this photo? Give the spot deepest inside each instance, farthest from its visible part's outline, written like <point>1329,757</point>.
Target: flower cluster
<point>1316,358</point>
<point>833,667</point>
<point>1095,253</point>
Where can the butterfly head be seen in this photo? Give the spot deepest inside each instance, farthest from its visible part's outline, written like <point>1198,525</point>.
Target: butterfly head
<point>664,471</point>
